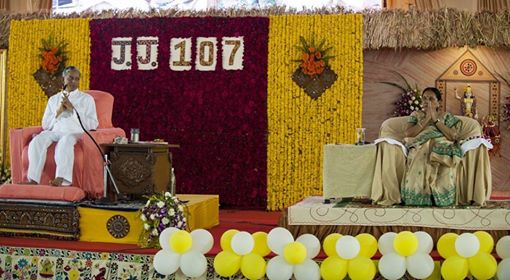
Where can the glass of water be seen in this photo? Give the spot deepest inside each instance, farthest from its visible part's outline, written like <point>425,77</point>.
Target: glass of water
<point>360,135</point>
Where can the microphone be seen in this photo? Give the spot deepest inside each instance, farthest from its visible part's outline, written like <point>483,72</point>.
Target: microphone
<point>64,92</point>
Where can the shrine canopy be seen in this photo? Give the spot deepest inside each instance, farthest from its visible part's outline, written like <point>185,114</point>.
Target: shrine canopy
<point>469,69</point>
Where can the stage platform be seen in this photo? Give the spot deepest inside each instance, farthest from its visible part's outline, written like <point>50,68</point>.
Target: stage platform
<point>86,221</point>
<point>347,217</point>
<point>20,258</point>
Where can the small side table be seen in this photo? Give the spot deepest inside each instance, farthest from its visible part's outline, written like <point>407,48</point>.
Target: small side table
<point>348,170</point>
<point>141,168</point>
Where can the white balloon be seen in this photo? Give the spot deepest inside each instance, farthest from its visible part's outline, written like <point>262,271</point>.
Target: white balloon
<point>392,266</point>
<point>202,241</point>
<point>164,237</point>
<point>277,238</point>
<point>425,242</point>
<point>242,243</point>
<point>420,265</point>
<point>504,269</point>
<point>193,264</point>
<point>385,243</point>
<point>467,245</point>
<point>166,262</point>
<point>503,247</point>
<point>312,244</point>
<point>308,270</point>
<point>347,247</point>
<point>278,269</point>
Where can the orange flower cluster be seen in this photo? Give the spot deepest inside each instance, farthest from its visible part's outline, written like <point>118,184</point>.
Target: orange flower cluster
<point>312,64</point>
<point>53,56</point>
<point>51,60</point>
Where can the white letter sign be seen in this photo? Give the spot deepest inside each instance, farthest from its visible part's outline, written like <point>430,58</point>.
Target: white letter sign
<point>121,53</point>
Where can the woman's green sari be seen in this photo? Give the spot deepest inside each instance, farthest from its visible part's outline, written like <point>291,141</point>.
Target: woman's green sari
<point>430,169</point>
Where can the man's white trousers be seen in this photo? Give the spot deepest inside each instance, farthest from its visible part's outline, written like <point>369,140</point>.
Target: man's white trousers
<point>64,154</point>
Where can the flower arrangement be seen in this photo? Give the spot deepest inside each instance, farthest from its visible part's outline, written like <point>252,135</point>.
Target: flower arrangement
<point>160,212</point>
<point>314,59</point>
<point>314,74</point>
<point>409,100</point>
<point>53,56</point>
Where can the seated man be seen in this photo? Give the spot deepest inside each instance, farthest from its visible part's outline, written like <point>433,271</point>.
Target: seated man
<point>60,124</point>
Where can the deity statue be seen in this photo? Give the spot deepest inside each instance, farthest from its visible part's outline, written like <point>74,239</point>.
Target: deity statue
<point>468,102</point>
<point>491,132</point>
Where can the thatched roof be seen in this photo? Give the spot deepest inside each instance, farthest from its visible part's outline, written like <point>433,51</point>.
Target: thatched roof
<point>394,29</point>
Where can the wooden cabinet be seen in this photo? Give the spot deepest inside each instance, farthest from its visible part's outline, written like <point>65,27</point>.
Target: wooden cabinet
<point>141,169</point>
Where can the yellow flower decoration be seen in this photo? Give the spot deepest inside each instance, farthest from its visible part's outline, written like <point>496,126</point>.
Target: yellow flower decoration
<point>298,126</point>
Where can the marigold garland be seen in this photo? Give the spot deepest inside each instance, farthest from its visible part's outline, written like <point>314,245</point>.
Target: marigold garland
<point>26,99</point>
<point>298,126</point>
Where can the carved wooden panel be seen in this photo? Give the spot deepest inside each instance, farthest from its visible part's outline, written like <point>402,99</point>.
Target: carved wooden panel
<point>36,217</point>
<point>140,168</point>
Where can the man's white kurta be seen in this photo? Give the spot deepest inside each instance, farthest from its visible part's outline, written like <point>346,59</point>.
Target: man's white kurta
<point>65,130</point>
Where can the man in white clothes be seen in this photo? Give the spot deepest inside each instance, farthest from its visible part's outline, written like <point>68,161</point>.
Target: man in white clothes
<point>60,124</point>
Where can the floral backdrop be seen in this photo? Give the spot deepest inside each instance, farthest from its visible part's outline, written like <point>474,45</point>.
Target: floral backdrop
<point>247,132</point>
<point>218,117</point>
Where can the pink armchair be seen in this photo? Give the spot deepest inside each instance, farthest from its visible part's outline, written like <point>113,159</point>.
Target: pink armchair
<point>88,165</point>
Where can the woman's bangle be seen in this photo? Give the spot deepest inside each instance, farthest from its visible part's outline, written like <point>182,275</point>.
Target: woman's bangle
<point>418,123</point>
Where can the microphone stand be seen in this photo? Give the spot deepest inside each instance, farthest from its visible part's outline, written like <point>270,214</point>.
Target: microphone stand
<point>106,169</point>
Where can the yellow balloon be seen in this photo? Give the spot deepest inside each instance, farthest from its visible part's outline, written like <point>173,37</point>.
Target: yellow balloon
<point>368,245</point>
<point>334,268</point>
<point>446,245</point>
<point>329,244</point>
<point>405,243</point>
<point>483,266</point>
<point>294,252</point>
<point>260,247</point>
<point>227,263</point>
<point>454,268</point>
<point>486,241</point>
<point>361,268</point>
<point>226,238</point>
<point>180,241</point>
<point>253,266</point>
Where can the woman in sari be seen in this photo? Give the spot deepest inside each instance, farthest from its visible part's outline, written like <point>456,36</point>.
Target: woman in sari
<point>431,134</point>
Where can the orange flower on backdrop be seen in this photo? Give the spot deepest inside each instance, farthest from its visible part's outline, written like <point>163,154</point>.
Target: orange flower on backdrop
<point>314,74</point>
<point>53,56</point>
<point>314,59</point>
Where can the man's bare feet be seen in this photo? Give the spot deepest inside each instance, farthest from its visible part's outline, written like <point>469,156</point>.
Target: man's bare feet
<point>57,182</point>
<point>31,182</point>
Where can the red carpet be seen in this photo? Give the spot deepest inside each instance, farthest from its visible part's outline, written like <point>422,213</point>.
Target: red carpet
<point>242,220</point>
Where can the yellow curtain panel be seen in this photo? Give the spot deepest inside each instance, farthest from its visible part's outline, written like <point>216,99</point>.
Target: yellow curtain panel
<point>26,98</point>
<point>298,125</point>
